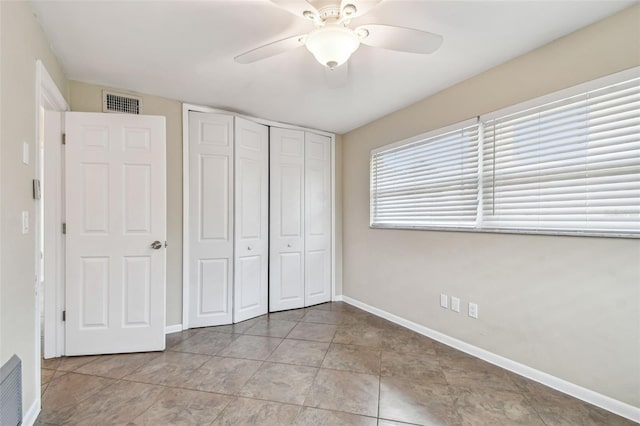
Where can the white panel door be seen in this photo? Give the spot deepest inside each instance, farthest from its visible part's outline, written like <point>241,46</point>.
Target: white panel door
<point>317,219</point>
<point>251,283</point>
<point>286,251</point>
<point>210,219</point>
<point>115,210</point>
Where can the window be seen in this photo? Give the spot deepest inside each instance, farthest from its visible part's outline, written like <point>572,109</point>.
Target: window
<point>567,166</point>
<point>430,182</point>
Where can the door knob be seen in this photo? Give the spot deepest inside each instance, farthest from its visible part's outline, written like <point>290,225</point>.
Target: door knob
<point>249,248</point>
<point>156,245</point>
<point>289,245</point>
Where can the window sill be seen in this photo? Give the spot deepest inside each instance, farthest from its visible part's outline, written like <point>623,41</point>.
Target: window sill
<point>509,231</point>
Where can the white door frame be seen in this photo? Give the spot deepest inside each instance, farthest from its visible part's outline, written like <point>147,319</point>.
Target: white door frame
<point>185,195</point>
<point>48,97</point>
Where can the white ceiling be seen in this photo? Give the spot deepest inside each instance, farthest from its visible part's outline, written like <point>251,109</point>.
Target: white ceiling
<point>184,50</point>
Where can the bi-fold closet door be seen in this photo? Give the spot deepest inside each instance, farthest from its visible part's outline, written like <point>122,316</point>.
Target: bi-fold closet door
<point>300,219</point>
<point>251,264</point>
<point>228,219</point>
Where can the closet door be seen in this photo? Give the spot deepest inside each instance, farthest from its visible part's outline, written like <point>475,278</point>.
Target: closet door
<point>317,219</point>
<point>210,219</point>
<point>251,220</point>
<point>286,252</point>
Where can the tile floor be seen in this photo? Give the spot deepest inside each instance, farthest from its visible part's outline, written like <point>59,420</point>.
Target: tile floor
<point>331,364</point>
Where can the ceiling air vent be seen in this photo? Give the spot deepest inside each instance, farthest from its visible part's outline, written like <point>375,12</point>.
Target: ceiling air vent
<point>120,102</point>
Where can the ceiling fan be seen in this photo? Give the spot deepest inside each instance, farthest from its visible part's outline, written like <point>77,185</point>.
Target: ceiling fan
<point>333,41</point>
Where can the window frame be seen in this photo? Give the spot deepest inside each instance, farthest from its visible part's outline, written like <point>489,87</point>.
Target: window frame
<point>480,227</point>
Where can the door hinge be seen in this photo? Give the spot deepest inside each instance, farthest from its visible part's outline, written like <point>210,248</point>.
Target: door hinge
<point>64,315</point>
<point>64,139</point>
<point>37,192</point>
<point>64,228</point>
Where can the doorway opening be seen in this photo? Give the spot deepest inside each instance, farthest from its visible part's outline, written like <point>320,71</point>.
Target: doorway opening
<point>50,105</point>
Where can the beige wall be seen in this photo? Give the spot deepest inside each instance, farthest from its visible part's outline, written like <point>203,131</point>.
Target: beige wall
<point>22,43</point>
<point>2,356</point>
<point>569,306</point>
<point>88,98</point>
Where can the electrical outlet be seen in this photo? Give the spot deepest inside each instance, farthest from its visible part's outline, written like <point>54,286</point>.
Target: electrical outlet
<point>444,300</point>
<point>473,310</point>
<point>455,304</point>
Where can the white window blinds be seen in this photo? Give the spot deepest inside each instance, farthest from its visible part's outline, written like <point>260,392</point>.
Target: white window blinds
<point>431,182</point>
<point>567,166</point>
<point>572,165</point>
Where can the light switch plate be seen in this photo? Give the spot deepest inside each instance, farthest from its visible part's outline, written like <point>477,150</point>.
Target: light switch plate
<point>25,222</point>
<point>455,304</point>
<point>473,310</point>
<point>25,153</point>
<point>444,301</point>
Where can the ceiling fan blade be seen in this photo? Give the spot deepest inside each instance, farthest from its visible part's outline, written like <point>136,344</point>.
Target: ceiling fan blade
<point>400,38</point>
<point>270,49</point>
<point>362,6</point>
<point>297,7</point>
<point>337,77</point>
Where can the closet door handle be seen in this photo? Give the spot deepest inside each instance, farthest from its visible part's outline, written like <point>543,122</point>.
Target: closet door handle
<point>289,245</point>
<point>249,248</point>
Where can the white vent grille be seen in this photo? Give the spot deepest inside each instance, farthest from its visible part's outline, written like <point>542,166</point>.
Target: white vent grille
<point>121,103</point>
<point>11,392</point>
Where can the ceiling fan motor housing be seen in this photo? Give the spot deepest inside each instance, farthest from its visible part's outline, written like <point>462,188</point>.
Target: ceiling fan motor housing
<point>329,12</point>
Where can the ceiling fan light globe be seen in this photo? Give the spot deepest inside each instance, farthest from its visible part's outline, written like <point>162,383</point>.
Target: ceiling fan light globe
<point>332,46</point>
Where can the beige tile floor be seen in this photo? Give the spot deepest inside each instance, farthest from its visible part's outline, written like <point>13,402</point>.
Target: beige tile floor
<point>331,364</point>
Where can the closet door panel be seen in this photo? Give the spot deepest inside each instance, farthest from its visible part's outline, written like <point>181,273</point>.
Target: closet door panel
<point>210,219</point>
<point>286,253</point>
<point>251,284</point>
<point>317,219</point>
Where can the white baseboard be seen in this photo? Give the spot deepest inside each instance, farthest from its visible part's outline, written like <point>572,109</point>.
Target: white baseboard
<point>618,407</point>
<point>31,415</point>
<point>337,298</point>
<point>176,328</point>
